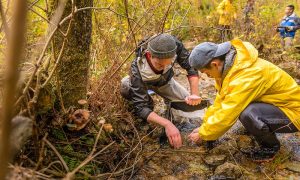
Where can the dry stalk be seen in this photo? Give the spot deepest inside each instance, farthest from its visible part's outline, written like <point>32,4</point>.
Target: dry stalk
<point>15,47</point>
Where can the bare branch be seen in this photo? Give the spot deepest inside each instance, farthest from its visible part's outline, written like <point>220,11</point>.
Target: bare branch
<point>165,17</point>
<point>15,47</point>
<point>57,153</point>
<point>128,21</point>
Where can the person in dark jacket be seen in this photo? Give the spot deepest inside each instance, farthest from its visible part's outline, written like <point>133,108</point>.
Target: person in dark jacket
<point>152,69</point>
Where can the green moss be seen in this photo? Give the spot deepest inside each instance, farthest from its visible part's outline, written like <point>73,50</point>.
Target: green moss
<point>58,134</point>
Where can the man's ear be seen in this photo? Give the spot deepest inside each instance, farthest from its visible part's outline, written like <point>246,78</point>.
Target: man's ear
<point>214,63</point>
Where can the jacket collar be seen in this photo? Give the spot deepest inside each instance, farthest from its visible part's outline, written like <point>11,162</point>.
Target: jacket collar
<point>229,60</point>
<point>291,16</point>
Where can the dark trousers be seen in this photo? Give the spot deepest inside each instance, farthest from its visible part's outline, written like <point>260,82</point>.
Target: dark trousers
<point>263,121</point>
<point>226,33</point>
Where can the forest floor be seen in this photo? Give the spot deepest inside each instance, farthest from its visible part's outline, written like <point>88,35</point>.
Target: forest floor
<point>224,161</point>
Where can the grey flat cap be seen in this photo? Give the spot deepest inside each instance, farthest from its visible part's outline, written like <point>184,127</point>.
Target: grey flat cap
<point>203,53</point>
<point>162,46</point>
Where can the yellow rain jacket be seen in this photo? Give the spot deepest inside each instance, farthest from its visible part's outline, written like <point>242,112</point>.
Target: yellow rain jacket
<point>227,13</point>
<point>250,79</point>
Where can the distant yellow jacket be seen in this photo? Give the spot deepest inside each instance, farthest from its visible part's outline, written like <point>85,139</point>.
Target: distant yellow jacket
<point>250,79</point>
<point>227,13</point>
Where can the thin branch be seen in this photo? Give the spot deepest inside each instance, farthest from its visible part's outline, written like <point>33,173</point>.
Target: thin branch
<point>45,19</point>
<point>40,59</point>
<point>57,153</point>
<point>165,17</point>
<point>15,48</point>
<point>128,22</point>
<point>128,154</point>
<point>87,160</point>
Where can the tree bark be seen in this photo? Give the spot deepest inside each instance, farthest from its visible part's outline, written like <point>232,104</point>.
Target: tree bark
<point>73,70</point>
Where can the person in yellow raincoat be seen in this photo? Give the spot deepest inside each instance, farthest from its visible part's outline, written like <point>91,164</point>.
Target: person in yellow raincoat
<point>262,96</point>
<point>227,14</point>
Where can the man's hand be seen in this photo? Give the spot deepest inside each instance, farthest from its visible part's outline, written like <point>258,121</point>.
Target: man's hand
<point>193,100</point>
<point>173,135</point>
<point>194,136</point>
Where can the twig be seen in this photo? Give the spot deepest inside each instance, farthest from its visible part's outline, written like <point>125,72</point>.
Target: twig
<point>102,8</point>
<point>118,55</point>
<point>128,21</point>
<point>57,153</point>
<point>51,164</point>
<point>120,172</point>
<point>45,19</point>
<point>55,28</point>
<point>96,141</point>
<point>36,67</point>
<point>165,17</point>
<point>133,149</point>
<point>70,175</point>
<point>31,173</point>
<point>15,48</point>
<point>57,15</point>
<point>266,174</point>
<point>41,157</point>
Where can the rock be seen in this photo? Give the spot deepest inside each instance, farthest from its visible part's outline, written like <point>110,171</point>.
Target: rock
<point>244,142</point>
<point>198,169</point>
<point>174,159</point>
<point>180,168</point>
<point>21,131</point>
<point>155,169</point>
<point>228,148</point>
<point>227,171</point>
<point>215,160</point>
<point>293,166</point>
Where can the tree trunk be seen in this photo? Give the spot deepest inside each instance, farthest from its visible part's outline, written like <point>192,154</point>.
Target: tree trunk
<point>73,70</point>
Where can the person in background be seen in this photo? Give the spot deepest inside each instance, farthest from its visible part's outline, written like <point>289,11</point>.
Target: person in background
<point>227,14</point>
<point>288,27</point>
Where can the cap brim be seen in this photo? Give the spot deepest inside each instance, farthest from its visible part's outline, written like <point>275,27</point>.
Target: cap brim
<point>223,48</point>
